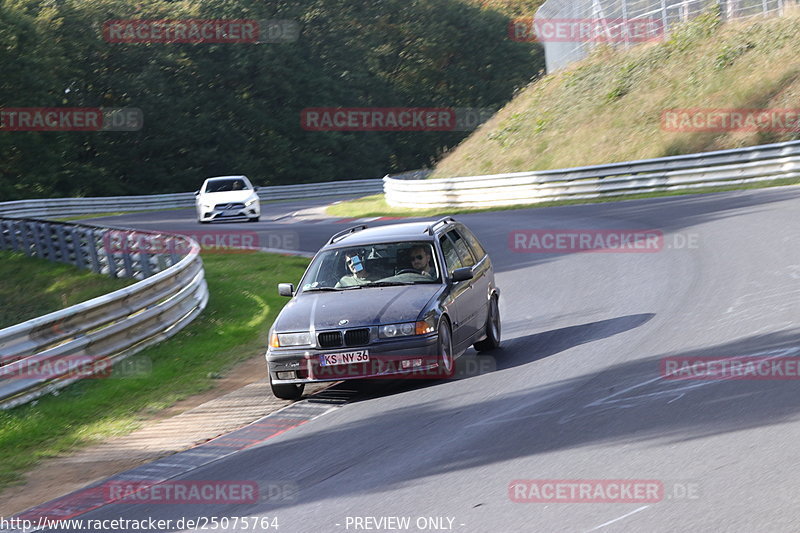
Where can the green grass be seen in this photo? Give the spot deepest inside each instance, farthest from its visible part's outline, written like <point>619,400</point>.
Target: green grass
<point>233,327</point>
<point>31,287</point>
<point>375,206</point>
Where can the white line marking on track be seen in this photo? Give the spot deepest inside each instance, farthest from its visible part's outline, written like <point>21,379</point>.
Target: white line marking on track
<point>618,519</point>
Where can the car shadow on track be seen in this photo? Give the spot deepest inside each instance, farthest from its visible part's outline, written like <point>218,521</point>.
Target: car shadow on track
<point>512,353</point>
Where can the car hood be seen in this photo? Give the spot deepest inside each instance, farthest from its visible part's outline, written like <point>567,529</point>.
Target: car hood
<point>225,197</point>
<point>360,307</point>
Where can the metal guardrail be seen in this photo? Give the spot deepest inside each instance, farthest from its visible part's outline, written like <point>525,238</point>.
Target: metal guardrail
<point>74,206</point>
<point>696,171</point>
<point>50,352</point>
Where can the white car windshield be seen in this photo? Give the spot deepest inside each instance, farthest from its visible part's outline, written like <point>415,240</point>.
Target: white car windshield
<point>374,265</point>
<point>233,184</point>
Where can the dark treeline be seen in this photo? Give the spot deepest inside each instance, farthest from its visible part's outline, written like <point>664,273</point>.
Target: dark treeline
<point>217,109</point>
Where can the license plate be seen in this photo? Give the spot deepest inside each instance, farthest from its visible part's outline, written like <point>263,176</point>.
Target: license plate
<point>346,358</point>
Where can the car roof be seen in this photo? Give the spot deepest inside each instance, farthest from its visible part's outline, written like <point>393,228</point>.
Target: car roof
<point>226,178</point>
<point>408,231</point>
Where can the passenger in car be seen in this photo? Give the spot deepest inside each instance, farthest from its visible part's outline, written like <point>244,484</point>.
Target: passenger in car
<point>358,272</point>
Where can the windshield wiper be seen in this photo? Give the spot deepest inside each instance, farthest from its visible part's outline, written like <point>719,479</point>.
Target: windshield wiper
<point>389,283</point>
<point>321,289</point>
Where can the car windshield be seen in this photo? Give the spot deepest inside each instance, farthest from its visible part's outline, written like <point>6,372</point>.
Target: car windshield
<point>233,184</point>
<point>374,265</point>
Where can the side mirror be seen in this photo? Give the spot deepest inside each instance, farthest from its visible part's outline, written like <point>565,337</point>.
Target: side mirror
<point>462,274</point>
<point>255,188</point>
<point>286,289</point>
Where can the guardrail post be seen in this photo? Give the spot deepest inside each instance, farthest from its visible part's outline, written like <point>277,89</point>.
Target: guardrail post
<point>5,242</point>
<point>110,260</point>
<point>144,256</point>
<point>144,262</point>
<point>127,262</point>
<point>91,247</point>
<point>77,245</point>
<point>14,241</point>
<point>37,242</point>
<point>173,255</point>
<point>46,234</point>
<point>62,245</point>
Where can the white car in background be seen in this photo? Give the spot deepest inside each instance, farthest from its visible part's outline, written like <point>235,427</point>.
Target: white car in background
<point>227,197</point>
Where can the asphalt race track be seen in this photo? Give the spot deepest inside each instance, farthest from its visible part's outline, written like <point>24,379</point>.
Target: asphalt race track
<point>576,392</point>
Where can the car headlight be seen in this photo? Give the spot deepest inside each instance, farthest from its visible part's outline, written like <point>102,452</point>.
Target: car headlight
<point>280,340</point>
<point>397,330</point>
<point>251,201</point>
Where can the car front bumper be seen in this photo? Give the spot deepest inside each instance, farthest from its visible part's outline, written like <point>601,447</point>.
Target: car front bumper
<point>413,357</point>
<point>252,211</point>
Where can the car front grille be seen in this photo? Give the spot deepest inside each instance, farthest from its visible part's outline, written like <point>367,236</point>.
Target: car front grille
<point>223,207</point>
<point>352,337</point>
<point>356,337</point>
<point>329,339</point>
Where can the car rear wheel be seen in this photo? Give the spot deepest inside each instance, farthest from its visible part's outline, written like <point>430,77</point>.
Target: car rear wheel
<point>492,339</point>
<point>287,391</point>
<point>445,349</point>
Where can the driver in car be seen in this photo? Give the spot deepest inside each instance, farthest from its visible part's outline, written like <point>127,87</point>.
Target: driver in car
<point>421,261</point>
<point>358,272</point>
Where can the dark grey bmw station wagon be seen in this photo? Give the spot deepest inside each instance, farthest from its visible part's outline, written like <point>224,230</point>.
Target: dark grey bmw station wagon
<point>384,301</point>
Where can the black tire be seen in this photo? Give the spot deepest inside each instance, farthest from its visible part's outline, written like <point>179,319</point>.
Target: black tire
<point>445,360</point>
<point>204,221</point>
<point>287,391</point>
<point>492,339</point>
<point>255,219</point>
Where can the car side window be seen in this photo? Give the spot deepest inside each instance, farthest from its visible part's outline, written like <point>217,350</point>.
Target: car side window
<point>451,259</point>
<point>470,237</point>
<point>467,259</point>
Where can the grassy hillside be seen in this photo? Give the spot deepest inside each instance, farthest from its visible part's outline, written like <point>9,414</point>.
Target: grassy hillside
<point>609,107</point>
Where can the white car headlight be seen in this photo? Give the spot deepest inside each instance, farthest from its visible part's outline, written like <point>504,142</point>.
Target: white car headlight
<point>295,339</point>
<point>396,330</point>
<point>251,201</point>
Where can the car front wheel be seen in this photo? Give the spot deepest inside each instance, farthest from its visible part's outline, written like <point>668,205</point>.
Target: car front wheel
<point>492,339</point>
<point>445,349</point>
<point>287,391</point>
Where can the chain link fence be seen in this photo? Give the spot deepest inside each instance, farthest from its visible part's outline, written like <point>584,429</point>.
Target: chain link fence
<point>570,29</point>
